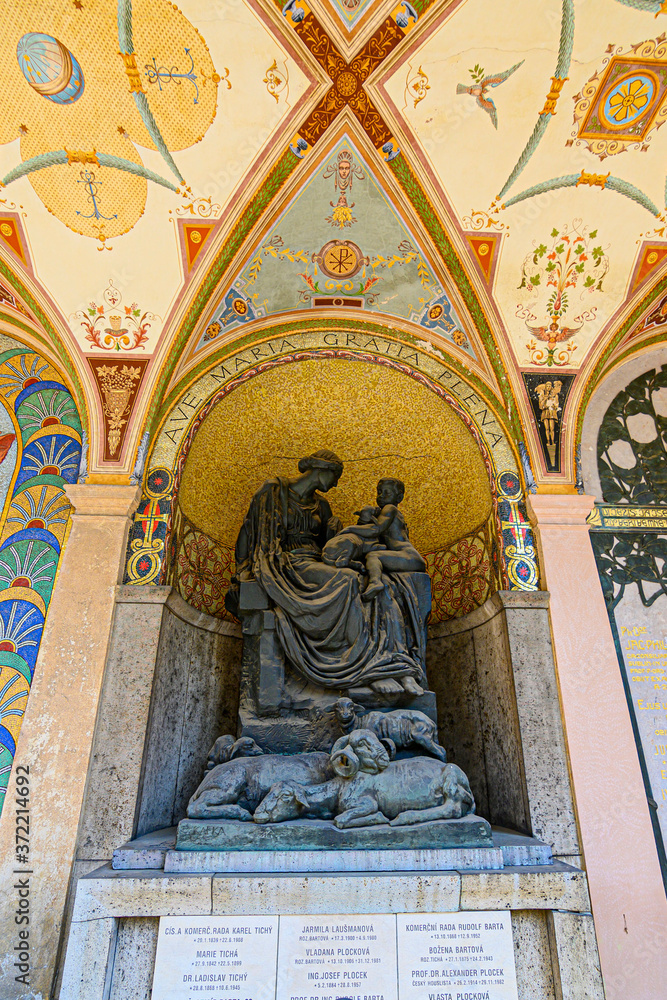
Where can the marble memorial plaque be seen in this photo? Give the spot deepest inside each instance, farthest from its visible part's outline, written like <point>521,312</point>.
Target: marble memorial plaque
<point>642,643</point>
<point>456,956</point>
<point>337,958</point>
<point>216,958</point>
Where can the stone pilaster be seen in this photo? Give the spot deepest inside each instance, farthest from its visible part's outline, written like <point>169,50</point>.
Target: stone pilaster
<point>625,883</point>
<point>57,732</point>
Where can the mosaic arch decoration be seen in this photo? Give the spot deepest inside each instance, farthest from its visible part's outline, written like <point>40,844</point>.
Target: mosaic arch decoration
<point>149,70</point>
<point>510,562</point>
<point>40,451</point>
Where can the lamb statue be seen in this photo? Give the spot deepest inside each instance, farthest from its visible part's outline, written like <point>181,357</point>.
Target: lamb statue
<point>368,788</point>
<point>405,727</point>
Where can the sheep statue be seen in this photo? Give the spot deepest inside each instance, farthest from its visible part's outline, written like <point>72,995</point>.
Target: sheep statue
<point>405,727</point>
<point>368,788</point>
<point>234,789</point>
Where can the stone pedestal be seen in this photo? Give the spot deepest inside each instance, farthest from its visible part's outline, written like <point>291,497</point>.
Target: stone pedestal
<point>617,838</point>
<point>111,949</point>
<point>281,710</point>
<point>322,835</point>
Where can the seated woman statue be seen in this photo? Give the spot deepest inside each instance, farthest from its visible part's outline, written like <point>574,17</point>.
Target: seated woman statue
<point>328,632</point>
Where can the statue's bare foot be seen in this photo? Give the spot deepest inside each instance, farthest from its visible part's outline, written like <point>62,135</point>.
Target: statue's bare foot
<point>372,589</point>
<point>387,687</point>
<point>410,686</point>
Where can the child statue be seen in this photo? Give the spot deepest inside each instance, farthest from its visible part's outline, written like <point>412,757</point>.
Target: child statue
<point>347,548</point>
<point>383,524</point>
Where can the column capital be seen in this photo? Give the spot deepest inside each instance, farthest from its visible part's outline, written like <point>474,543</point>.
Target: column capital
<point>559,508</point>
<point>102,501</point>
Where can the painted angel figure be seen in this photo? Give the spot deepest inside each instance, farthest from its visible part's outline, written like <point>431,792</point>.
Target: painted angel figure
<point>553,333</point>
<point>479,88</point>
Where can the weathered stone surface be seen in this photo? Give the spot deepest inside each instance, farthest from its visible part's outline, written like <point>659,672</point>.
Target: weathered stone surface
<point>161,764</point>
<point>306,835</point>
<point>520,850</point>
<point>194,700</point>
<point>116,767</point>
<point>79,869</point>
<point>575,957</point>
<point>148,851</point>
<point>134,959</point>
<point>508,799</point>
<point>362,893</point>
<point>532,955</point>
<point>526,888</point>
<point>450,663</point>
<point>499,714</point>
<point>107,893</point>
<point>87,960</point>
<point>544,757</point>
<point>334,861</point>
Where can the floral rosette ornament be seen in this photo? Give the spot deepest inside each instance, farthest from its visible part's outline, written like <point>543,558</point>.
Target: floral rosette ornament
<point>624,101</point>
<point>112,327</point>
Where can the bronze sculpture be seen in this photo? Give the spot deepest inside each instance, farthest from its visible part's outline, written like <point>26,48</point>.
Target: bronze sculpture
<point>330,614</point>
<point>329,633</point>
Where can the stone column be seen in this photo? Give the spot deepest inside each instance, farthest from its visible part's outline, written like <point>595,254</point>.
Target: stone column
<point>57,733</point>
<point>620,855</point>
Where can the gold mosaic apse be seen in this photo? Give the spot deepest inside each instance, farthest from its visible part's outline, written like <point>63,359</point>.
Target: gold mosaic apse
<point>380,422</point>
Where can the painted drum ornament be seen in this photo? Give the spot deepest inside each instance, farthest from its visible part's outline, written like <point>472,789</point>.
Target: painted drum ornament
<point>50,68</point>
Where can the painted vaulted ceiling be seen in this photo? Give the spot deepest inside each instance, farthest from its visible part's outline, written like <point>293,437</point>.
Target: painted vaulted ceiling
<point>481,181</point>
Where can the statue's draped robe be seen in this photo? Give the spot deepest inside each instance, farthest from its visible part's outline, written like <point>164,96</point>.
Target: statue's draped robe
<point>328,633</point>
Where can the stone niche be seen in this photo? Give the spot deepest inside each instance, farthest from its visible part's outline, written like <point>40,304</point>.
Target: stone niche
<point>171,687</point>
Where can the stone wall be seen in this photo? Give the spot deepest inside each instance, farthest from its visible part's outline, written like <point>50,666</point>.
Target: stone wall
<point>499,715</point>
<point>170,689</point>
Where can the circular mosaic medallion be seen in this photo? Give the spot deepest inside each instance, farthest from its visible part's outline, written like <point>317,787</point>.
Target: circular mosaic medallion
<point>240,307</point>
<point>346,83</point>
<point>340,259</point>
<point>630,99</point>
<point>50,68</point>
<point>158,482</point>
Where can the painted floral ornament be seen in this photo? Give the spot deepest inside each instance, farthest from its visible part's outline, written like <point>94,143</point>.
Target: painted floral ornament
<point>624,101</point>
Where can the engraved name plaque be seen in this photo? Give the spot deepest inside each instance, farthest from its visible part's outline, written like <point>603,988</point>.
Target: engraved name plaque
<point>447,956</point>
<point>418,956</point>
<point>217,958</point>
<point>331,958</point>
